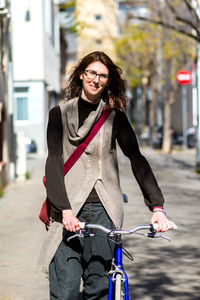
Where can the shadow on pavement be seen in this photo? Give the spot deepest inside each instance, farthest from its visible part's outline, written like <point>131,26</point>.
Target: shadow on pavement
<point>166,276</point>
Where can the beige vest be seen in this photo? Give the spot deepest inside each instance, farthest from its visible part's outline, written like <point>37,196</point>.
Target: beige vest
<point>97,167</point>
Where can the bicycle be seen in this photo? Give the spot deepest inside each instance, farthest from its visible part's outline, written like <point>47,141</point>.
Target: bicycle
<point>118,283</point>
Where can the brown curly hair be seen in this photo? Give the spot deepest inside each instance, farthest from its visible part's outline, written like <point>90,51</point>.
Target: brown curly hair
<point>114,94</point>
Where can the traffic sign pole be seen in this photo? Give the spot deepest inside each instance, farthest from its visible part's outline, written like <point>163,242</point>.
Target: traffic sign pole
<point>184,115</point>
<point>184,77</point>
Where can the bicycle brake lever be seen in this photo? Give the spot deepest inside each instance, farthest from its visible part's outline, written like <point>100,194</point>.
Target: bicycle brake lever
<point>156,235</point>
<point>165,237</point>
<point>82,234</point>
<point>73,236</point>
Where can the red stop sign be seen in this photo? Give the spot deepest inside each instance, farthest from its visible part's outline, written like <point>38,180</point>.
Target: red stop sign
<point>184,77</point>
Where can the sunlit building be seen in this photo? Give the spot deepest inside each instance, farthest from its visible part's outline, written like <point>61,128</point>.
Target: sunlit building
<point>99,24</point>
<point>36,57</point>
<point>98,27</point>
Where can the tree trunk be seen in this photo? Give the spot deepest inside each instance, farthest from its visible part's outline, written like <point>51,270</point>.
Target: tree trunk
<point>144,98</point>
<point>167,138</point>
<point>166,146</point>
<point>152,110</point>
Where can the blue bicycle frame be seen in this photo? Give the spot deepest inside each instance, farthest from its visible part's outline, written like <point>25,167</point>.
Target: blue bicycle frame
<point>117,261</point>
<point>118,264</point>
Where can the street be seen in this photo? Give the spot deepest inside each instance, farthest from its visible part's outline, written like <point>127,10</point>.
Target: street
<point>160,270</point>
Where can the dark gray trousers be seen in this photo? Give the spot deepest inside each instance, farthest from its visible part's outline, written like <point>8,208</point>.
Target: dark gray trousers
<point>87,258</point>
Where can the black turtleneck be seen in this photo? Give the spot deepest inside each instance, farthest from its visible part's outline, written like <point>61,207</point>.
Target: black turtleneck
<point>123,133</point>
<point>84,108</point>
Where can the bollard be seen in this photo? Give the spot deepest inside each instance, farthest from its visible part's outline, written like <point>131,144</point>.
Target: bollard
<point>21,167</point>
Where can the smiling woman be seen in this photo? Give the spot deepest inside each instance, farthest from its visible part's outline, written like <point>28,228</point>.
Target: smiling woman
<point>93,82</point>
<point>94,66</point>
<point>90,191</point>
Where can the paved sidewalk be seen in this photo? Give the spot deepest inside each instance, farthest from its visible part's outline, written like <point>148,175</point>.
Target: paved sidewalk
<point>21,235</point>
<point>160,270</point>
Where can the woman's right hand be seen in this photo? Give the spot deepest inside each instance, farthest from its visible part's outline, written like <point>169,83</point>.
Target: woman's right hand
<point>69,220</point>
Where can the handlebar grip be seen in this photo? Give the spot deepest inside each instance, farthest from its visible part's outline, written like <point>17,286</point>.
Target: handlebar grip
<point>155,226</point>
<point>81,225</point>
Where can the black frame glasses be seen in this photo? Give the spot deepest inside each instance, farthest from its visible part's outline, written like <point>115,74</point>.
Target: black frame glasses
<point>91,74</point>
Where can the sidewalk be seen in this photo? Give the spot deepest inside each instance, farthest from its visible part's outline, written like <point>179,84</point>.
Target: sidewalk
<point>160,270</point>
<point>21,235</point>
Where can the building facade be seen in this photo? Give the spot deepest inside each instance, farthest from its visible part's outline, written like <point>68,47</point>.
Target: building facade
<point>98,26</point>
<point>36,57</point>
<point>96,29</point>
<point>7,137</point>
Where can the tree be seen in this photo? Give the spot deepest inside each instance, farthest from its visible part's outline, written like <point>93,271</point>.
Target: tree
<point>138,51</point>
<point>140,69</point>
<point>179,15</point>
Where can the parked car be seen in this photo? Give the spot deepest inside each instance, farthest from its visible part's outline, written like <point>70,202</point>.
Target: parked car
<point>31,146</point>
<point>157,137</point>
<point>145,138</point>
<point>191,137</point>
<point>177,139</point>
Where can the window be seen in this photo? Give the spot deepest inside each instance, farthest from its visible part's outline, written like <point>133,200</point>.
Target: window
<point>123,7</point>
<point>2,4</point>
<point>21,94</point>
<point>71,57</point>
<point>98,17</point>
<point>22,108</point>
<point>23,89</point>
<point>98,42</point>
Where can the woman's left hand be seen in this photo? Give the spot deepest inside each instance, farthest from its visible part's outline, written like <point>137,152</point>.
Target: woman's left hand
<point>163,223</point>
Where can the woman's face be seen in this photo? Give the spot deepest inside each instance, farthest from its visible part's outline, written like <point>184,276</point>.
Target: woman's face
<point>95,79</point>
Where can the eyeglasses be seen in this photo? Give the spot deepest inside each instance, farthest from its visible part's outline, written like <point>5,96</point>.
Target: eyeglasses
<point>91,74</point>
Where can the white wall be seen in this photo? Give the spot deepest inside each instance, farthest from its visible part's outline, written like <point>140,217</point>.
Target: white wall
<point>51,46</point>
<point>36,62</point>
<point>35,55</point>
<point>27,40</point>
<point>35,126</point>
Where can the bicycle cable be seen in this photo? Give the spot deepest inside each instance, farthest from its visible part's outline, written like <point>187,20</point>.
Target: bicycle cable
<point>125,252</point>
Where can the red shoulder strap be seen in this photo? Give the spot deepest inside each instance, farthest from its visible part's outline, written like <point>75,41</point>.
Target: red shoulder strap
<point>81,148</point>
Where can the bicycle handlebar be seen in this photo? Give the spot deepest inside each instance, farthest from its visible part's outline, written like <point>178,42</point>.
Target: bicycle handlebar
<point>152,234</point>
<point>151,227</point>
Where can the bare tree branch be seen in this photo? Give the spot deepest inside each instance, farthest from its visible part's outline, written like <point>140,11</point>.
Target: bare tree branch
<point>184,20</point>
<point>190,18</point>
<point>188,22</point>
<point>192,9</point>
<point>171,7</point>
<point>170,26</point>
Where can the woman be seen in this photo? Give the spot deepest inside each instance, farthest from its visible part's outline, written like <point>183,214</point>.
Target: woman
<point>90,191</point>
